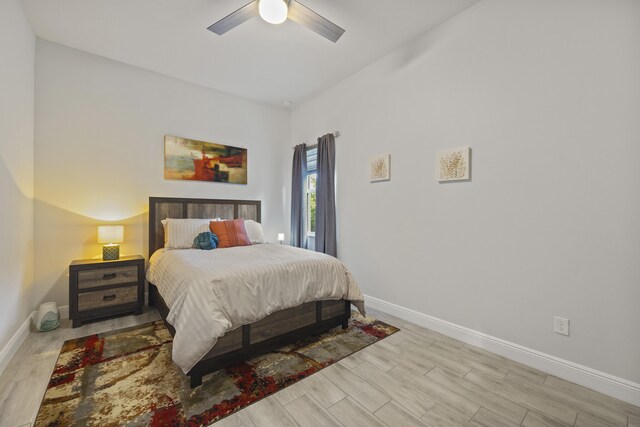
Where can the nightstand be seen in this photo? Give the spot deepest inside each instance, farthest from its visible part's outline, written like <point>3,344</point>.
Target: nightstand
<point>100,288</point>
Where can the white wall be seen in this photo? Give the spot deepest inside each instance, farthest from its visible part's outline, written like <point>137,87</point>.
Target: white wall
<point>547,94</point>
<point>16,168</point>
<point>99,154</point>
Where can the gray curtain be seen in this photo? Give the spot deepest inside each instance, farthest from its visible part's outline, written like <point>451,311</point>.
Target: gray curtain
<point>298,197</point>
<point>326,196</point>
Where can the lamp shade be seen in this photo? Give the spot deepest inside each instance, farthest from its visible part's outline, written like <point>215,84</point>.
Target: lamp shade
<point>110,233</point>
<point>280,237</point>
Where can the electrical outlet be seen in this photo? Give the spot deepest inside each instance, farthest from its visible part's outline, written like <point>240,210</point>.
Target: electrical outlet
<point>561,325</point>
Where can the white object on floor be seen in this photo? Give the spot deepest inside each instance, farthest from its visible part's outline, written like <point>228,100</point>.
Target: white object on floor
<point>48,317</point>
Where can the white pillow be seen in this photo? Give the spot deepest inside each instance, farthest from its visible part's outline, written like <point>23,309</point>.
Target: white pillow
<point>254,231</point>
<point>179,233</point>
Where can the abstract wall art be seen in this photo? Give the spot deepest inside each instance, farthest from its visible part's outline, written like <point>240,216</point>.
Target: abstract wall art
<point>454,165</point>
<point>380,168</point>
<point>189,159</point>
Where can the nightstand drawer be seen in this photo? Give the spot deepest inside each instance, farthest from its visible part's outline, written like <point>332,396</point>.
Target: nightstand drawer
<point>107,298</point>
<point>107,276</point>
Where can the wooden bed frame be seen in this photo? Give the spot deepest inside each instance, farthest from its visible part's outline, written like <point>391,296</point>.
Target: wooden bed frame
<point>279,328</point>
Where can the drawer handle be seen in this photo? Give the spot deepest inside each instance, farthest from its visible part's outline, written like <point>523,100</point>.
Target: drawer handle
<point>109,276</point>
<point>109,297</point>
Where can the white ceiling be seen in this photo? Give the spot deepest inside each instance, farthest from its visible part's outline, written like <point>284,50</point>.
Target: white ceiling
<point>259,61</point>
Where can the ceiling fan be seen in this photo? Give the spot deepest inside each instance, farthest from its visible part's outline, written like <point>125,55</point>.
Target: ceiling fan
<point>276,12</point>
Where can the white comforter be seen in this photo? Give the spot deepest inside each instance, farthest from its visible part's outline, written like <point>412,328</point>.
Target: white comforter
<point>212,292</point>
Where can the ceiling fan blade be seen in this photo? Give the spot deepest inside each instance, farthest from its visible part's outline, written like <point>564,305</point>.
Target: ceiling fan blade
<point>236,18</point>
<point>308,18</point>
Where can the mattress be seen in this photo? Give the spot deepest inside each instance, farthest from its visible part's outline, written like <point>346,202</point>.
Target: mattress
<point>212,292</point>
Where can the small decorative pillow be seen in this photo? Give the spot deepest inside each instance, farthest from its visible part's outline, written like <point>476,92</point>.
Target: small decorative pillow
<point>206,240</point>
<point>231,233</point>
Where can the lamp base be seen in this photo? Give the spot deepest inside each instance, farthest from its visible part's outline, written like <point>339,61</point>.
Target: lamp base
<point>110,252</point>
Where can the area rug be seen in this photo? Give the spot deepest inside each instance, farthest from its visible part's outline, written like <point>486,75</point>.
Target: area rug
<point>127,377</point>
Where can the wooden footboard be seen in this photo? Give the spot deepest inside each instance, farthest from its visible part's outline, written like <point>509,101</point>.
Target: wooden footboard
<point>279,328</point>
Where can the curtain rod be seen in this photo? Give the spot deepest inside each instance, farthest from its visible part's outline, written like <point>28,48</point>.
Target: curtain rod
<point>336,134</point>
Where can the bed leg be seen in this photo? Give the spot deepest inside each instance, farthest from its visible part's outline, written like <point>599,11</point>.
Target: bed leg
<point>347,314</point>
<point>195,380</point>
<point>152,300</point>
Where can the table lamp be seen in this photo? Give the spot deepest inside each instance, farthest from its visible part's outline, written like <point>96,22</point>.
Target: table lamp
<point>280,237</point>
<point>110,236</point>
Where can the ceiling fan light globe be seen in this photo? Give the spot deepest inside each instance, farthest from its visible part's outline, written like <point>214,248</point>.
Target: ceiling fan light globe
<point>273,11</point>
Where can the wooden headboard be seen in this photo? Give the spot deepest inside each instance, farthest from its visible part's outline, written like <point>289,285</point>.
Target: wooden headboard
<point>169,207</point>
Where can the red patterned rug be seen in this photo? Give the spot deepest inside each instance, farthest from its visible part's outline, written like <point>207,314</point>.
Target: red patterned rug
<point>127,377</point>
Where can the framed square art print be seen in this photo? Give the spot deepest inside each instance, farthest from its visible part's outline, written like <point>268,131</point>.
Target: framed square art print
<point>454,165</point>
<point>380,168</point>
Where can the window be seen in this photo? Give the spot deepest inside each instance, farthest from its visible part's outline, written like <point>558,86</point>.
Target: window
<point>312,155</point>
<point>311,204</point>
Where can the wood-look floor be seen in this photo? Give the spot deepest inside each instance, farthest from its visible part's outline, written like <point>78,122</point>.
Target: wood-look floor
<point>413,378</point>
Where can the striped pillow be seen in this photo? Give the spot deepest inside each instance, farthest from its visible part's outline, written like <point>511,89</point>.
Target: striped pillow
<point>231,233</point>
<point>179,233</point>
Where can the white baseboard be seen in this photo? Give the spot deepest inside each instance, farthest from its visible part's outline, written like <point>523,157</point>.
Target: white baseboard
<point>596,380</point>
<point>15,342</point>
<point>21,334</point>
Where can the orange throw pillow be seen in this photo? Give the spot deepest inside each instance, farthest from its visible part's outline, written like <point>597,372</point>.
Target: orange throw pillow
<point>230,233</point>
